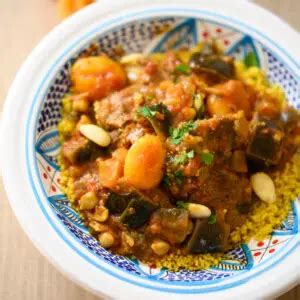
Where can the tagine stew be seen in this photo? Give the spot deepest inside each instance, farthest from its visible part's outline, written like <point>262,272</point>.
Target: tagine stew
<point>171,151</point>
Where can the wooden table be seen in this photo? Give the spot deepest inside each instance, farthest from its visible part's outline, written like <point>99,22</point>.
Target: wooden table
<point>24,273</point>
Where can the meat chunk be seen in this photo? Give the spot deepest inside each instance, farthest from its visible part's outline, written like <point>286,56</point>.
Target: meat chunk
<point>171,224</point>
<point>76,149</point>
<point>217,188</point>
<point>223,133</point>
<point>118,108</point>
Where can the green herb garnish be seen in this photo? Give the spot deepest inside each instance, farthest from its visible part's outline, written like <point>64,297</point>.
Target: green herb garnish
<point>146,112</point>
<point>207,157</point>
<point>182,68</point>
<point>150,111</point>
<point>177,134</point>
<point>159,117</point>
<point>181,204</point>
<point>183,157</point>
<point>190,154</point>
<point>250,60</point>
<point>212,219</point>
<point>178,175</point>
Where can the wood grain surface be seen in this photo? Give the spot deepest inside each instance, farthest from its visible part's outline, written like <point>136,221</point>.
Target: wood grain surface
<point>24,273</point>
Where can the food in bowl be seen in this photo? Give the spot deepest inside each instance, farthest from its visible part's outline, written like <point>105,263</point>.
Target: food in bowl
<point>175,158</point>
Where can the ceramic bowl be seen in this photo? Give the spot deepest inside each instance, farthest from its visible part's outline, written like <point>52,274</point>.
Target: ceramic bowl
<point>31,174</point>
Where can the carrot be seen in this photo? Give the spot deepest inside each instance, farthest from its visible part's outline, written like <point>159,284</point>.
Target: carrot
<point>144,162</point>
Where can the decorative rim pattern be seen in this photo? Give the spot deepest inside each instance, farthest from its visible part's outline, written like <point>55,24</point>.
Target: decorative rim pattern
<point>158,46</point>
<point>185,12</point>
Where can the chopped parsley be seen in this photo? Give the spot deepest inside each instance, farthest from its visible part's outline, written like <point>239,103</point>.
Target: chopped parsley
<point>207,157</point>
<point>178,133</point>
<point>182,68</point>
<point>146,112</point>
<point>181,204</point>
<point>169,178</point>
<point>212,219</point>
<point>150,111</point>
<point>159,117</point>
<point>178,175</point>
<point>183,157</point>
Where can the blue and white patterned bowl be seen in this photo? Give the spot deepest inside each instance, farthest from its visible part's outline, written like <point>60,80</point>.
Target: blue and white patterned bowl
<point>33,106</point>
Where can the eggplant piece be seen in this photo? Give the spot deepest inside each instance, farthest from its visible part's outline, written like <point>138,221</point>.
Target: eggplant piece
<point>212,64</point>
<point>266,142</point>
<point>208,238</point>
<point>116,203</point>
<point>137,212</point>
<point>171,224</point>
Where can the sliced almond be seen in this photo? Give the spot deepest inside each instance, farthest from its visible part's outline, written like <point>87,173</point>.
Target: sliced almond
<point>263,187</point>
<point>96,134</point>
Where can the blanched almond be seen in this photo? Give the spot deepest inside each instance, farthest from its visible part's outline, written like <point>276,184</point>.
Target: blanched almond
<point>96,134</point>
<point>263,187</point>
<point>198,211</point>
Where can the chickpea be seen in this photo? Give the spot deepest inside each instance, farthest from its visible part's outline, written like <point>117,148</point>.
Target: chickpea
<point>106,239</point>
<point>160,247</point>
<point>101,214</point>
<point>88,201</point>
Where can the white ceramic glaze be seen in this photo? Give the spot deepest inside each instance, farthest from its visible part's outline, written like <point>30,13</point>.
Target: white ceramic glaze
<point>18,158</point>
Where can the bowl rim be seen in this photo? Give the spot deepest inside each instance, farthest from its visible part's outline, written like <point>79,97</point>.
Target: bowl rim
<point>32,63</point>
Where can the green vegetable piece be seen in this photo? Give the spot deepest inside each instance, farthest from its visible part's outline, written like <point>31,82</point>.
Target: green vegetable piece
<point>207,157</point>
<point>116,203</point>
<point>181,204</point>
<point>137,212</point>
<point>182,68</point>
<point>212,219</point>
<point>250,60</point>
<point>177,134</point>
